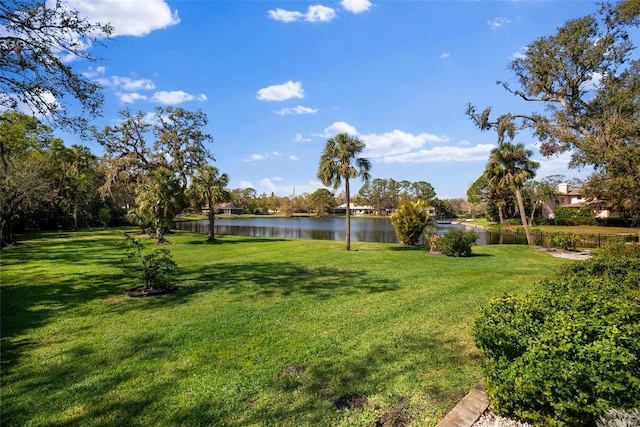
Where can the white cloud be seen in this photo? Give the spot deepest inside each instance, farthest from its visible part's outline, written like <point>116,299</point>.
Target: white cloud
<point>443,154</point>
<point>46,99</point>
<point>315,13</point>
<point>300,138</point>
<point>397,142</point>
<point>127,83</point>
<point>254,158</point>
<point>293,158</point>
<point>276,185</point>
<point>175,97</point>
<point>319,13</point>
<point>264,156</point>
<point>498,22</point>
<point>356,6</point>
<point>592,84</point>
<point>128,18</point>
<point>131,97</point>
<point>297,110</point>
<point>560,165</point>
<point>92,73</point>
<point>336,128</point>
<point>444,55</point>
<point>285,15</point>
<point>281,92</point>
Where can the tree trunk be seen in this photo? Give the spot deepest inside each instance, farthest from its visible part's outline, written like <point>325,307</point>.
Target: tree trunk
<point>533,212</point>
<point>348,225</point>
<point>212,217</point>
<point>75,213</point>
<point>523,215</point>
<point>500,211</point>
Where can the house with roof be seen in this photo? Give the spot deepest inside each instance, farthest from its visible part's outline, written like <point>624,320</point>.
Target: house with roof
<point>571,197</point>
<point>225,208</point>
<point>353,209</point>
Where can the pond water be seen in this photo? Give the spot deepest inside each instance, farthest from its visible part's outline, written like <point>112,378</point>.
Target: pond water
<point>363,229</point>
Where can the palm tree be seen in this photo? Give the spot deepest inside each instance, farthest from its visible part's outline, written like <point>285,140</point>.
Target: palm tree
<point>510,166</point>
<point>159,199</point>
<point>209,186</point>
<point>339,161</point>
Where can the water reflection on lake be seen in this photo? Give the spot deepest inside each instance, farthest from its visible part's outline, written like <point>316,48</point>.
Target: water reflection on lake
<point>331,228</point>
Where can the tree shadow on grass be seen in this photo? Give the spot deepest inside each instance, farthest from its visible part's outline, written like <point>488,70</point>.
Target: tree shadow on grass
<point>285,279</point>
<point>222,240</point>
<point>404,248</point>
<point>84,386</point>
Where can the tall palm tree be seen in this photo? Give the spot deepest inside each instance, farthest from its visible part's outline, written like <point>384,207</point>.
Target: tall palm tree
<point>210,186</point>
<point>511,166</point>
<point>340,161</point>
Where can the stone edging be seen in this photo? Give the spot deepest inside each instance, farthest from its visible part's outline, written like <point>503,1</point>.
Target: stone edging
<point>468,410</point>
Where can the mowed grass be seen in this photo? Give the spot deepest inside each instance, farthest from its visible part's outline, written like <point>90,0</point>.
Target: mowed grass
<point>260,332</point>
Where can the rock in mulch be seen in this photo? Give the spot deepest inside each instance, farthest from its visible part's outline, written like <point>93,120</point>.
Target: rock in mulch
<point>490,420</point>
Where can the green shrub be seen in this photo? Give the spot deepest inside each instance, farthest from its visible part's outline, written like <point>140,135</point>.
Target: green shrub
<point>573,216</point>
<point>570,351</point>
<point>409,221</point>
<point>156,269</point>
<point>456,243</point>
<point>104,216</point>
<point>562,240</point>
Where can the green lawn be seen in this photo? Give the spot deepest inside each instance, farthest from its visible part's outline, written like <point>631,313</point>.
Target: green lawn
<point>259,332</point>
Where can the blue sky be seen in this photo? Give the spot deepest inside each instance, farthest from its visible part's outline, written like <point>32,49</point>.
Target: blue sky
<point>277,78</point>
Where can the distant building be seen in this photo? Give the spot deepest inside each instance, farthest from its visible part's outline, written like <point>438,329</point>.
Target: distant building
<point>225,208</point>
<point>356,210</point>
<point>569,197</point>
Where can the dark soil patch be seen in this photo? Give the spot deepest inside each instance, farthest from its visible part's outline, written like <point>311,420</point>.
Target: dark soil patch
<point>397,416</point>
<point>350,401</point>
<point>140,291</point>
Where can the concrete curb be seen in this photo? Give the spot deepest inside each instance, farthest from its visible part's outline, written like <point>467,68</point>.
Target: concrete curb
<point>468,410</point>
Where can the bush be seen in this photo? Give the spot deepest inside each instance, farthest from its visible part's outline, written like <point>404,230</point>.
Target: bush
<point>409,221</point>
<point>562,240</point>
<point>573,216</point>
<point>104,216</point>
<point>569,352</point>
<point>456,243</point>
<point>156,269</point>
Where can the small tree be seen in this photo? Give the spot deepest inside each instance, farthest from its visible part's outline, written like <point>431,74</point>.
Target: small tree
<point>409,221</point>
<point>158,267</point>
<point>322,201</point>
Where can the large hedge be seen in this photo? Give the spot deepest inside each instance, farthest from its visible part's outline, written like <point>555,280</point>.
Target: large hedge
<point>570,351</point>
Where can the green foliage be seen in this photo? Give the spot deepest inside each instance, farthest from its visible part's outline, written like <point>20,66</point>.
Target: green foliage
<point>410,221</point>
<point>456,243</point>
<point>573,216</point>
<point>104,216</point>
<point>562,240</point>
<point>157,269</point>
<point>570,351</point>
<point>322,201</point>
